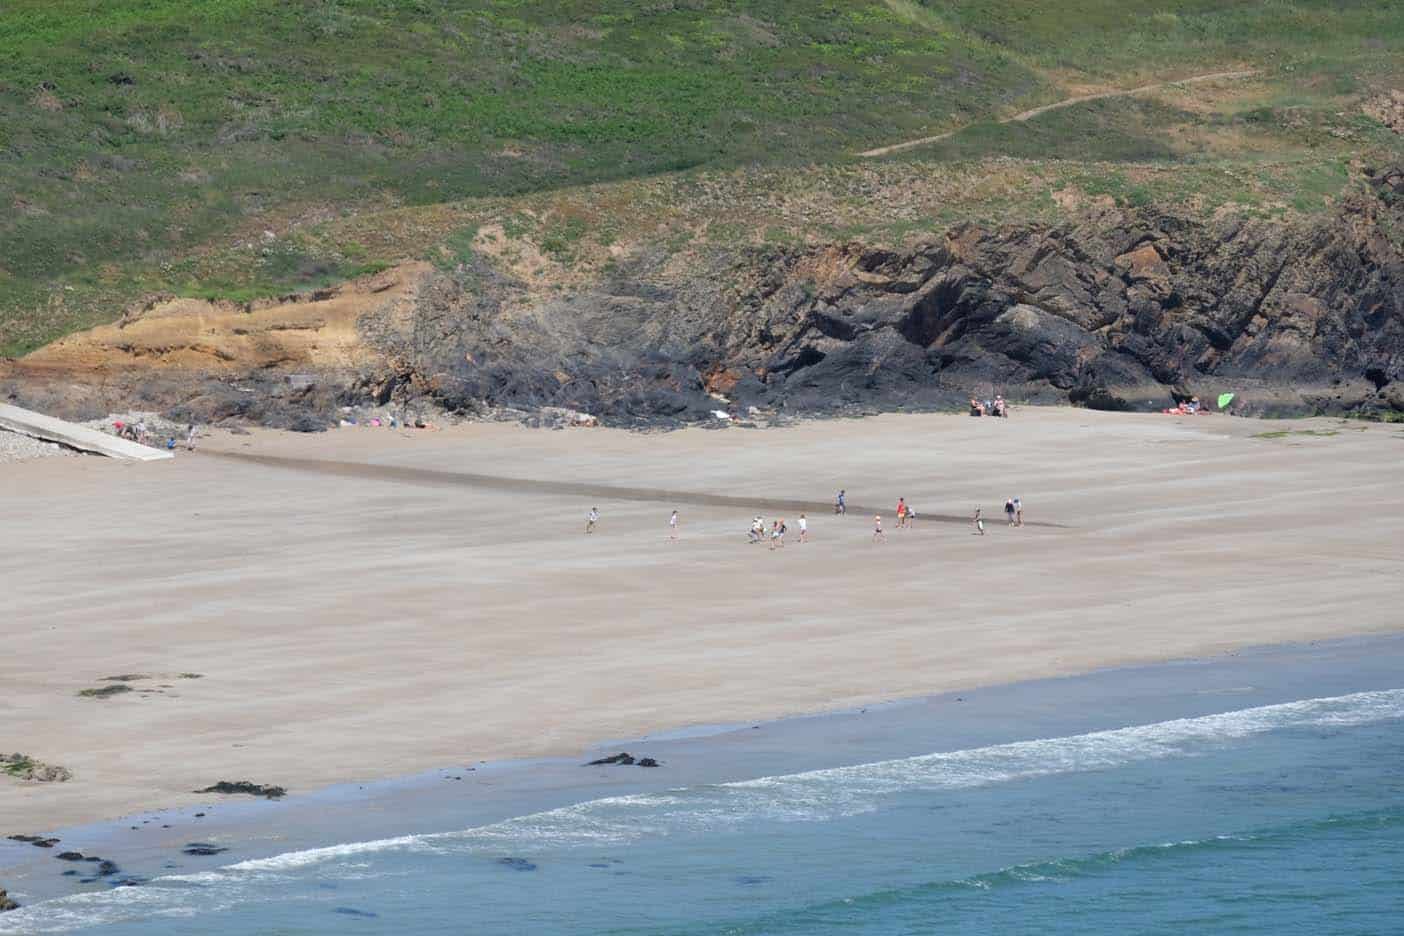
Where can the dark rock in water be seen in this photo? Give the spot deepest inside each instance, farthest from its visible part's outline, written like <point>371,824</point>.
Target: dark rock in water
<point>92,858</point>
<point>201,848</point>
<point>622,758</point>
<point>647,762</point>
<point>69,856</point>
<point>517,864</point>
<point>750,880</point>
<point>353,912</point>
<point>6,903</point>
<point>106,869</point>
<point>245,787</point>
<point>199,815</point>
<point>38,841</point>
<point>71,872</point>
<point>129,882</point>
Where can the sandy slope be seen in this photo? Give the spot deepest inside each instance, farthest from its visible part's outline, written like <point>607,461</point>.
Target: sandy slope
<point>363,622</point>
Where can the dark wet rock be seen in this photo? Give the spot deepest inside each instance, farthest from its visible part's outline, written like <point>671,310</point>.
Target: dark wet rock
<point>38,841</point>
<point>129,882</point>
<point>71,872</point>
<point>622,758</point>
<point>517,864</point>
<point>199,815</point>
<point>247,788</point>
<point>647,762</point>
<point>93,858</point>
<point>202,848</point>
<point>353,912</point>
<point>106,869</point>
<point>69,856</point>
<point>105,692</point>
<point>6,903</point>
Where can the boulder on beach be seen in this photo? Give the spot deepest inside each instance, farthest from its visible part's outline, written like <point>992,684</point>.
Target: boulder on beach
<point>245,787</point>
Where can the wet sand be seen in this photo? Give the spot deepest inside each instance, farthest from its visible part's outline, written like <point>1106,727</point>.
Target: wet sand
<point>429,598</point>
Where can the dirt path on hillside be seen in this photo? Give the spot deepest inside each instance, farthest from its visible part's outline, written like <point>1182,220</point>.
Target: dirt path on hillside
<point>1057,105</point>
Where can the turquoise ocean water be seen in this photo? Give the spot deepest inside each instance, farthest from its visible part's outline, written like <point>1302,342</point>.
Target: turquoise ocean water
<point>1265,819</point>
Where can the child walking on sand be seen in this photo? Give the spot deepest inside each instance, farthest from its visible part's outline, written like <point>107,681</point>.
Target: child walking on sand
<point>804,529</point>
<point>673,526</point>
<point>979,522</point>
<point>901,512</point>
<point>1018,512</point>
<point>591,519</point>
<point>878,535</point>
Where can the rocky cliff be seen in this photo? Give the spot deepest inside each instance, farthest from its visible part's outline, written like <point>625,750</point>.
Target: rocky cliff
<point>1118,308</point>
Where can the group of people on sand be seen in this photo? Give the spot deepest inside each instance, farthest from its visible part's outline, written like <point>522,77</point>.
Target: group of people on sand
<point>995,407</point>
<point>778,529</point>
<point>137,432</point>
<point>775,534</point>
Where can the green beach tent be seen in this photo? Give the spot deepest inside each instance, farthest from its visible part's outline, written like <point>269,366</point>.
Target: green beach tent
<point>1225,399</point>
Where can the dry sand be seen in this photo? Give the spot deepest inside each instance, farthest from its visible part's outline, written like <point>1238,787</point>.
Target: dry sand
<point>362,623</point>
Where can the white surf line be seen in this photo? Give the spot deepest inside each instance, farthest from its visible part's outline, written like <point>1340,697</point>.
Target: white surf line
<point>1027,115</point>
<point>808,796</point>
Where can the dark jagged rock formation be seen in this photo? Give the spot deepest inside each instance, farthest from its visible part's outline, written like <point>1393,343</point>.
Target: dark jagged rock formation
<point>1123,309</point>
<point>1117,309</point>
<point>245,787</point>
<point>6,903</point>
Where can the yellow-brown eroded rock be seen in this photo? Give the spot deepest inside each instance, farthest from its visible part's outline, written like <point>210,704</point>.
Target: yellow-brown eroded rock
<point>317,329</point>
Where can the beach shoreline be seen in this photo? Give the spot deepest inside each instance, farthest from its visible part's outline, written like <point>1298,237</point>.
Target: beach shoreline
<point>364,625</point>
<point>352,818</point>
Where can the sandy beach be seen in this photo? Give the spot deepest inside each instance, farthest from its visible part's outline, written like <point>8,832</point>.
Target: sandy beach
<point>370,603</point>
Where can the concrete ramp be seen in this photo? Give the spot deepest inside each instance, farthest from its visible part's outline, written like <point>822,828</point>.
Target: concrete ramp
<point>39,426</point>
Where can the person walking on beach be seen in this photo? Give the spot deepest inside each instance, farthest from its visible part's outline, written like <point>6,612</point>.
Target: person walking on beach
<point>979,522</point>
<point>839,506</point>
<point>804,529</point>
<point>1018,512</point>
<point>190,437</point>
<point>1009,510</point>
<point>673,526</point>
<point>591,519</point>
<point>878,535</point>
<point>901,512</point>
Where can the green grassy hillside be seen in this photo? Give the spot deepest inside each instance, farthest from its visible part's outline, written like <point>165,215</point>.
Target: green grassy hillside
<point>148,145</point>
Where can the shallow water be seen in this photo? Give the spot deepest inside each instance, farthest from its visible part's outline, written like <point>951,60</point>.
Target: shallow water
<point>1267,819</point>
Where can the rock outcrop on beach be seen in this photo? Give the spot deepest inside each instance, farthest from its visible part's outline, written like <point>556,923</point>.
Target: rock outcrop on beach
<point>1117,308</point>
<point>246,788</point>
<point>6,903</point>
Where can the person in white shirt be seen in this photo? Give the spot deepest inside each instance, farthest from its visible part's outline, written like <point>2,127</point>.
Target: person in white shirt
<point>804,529</point>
